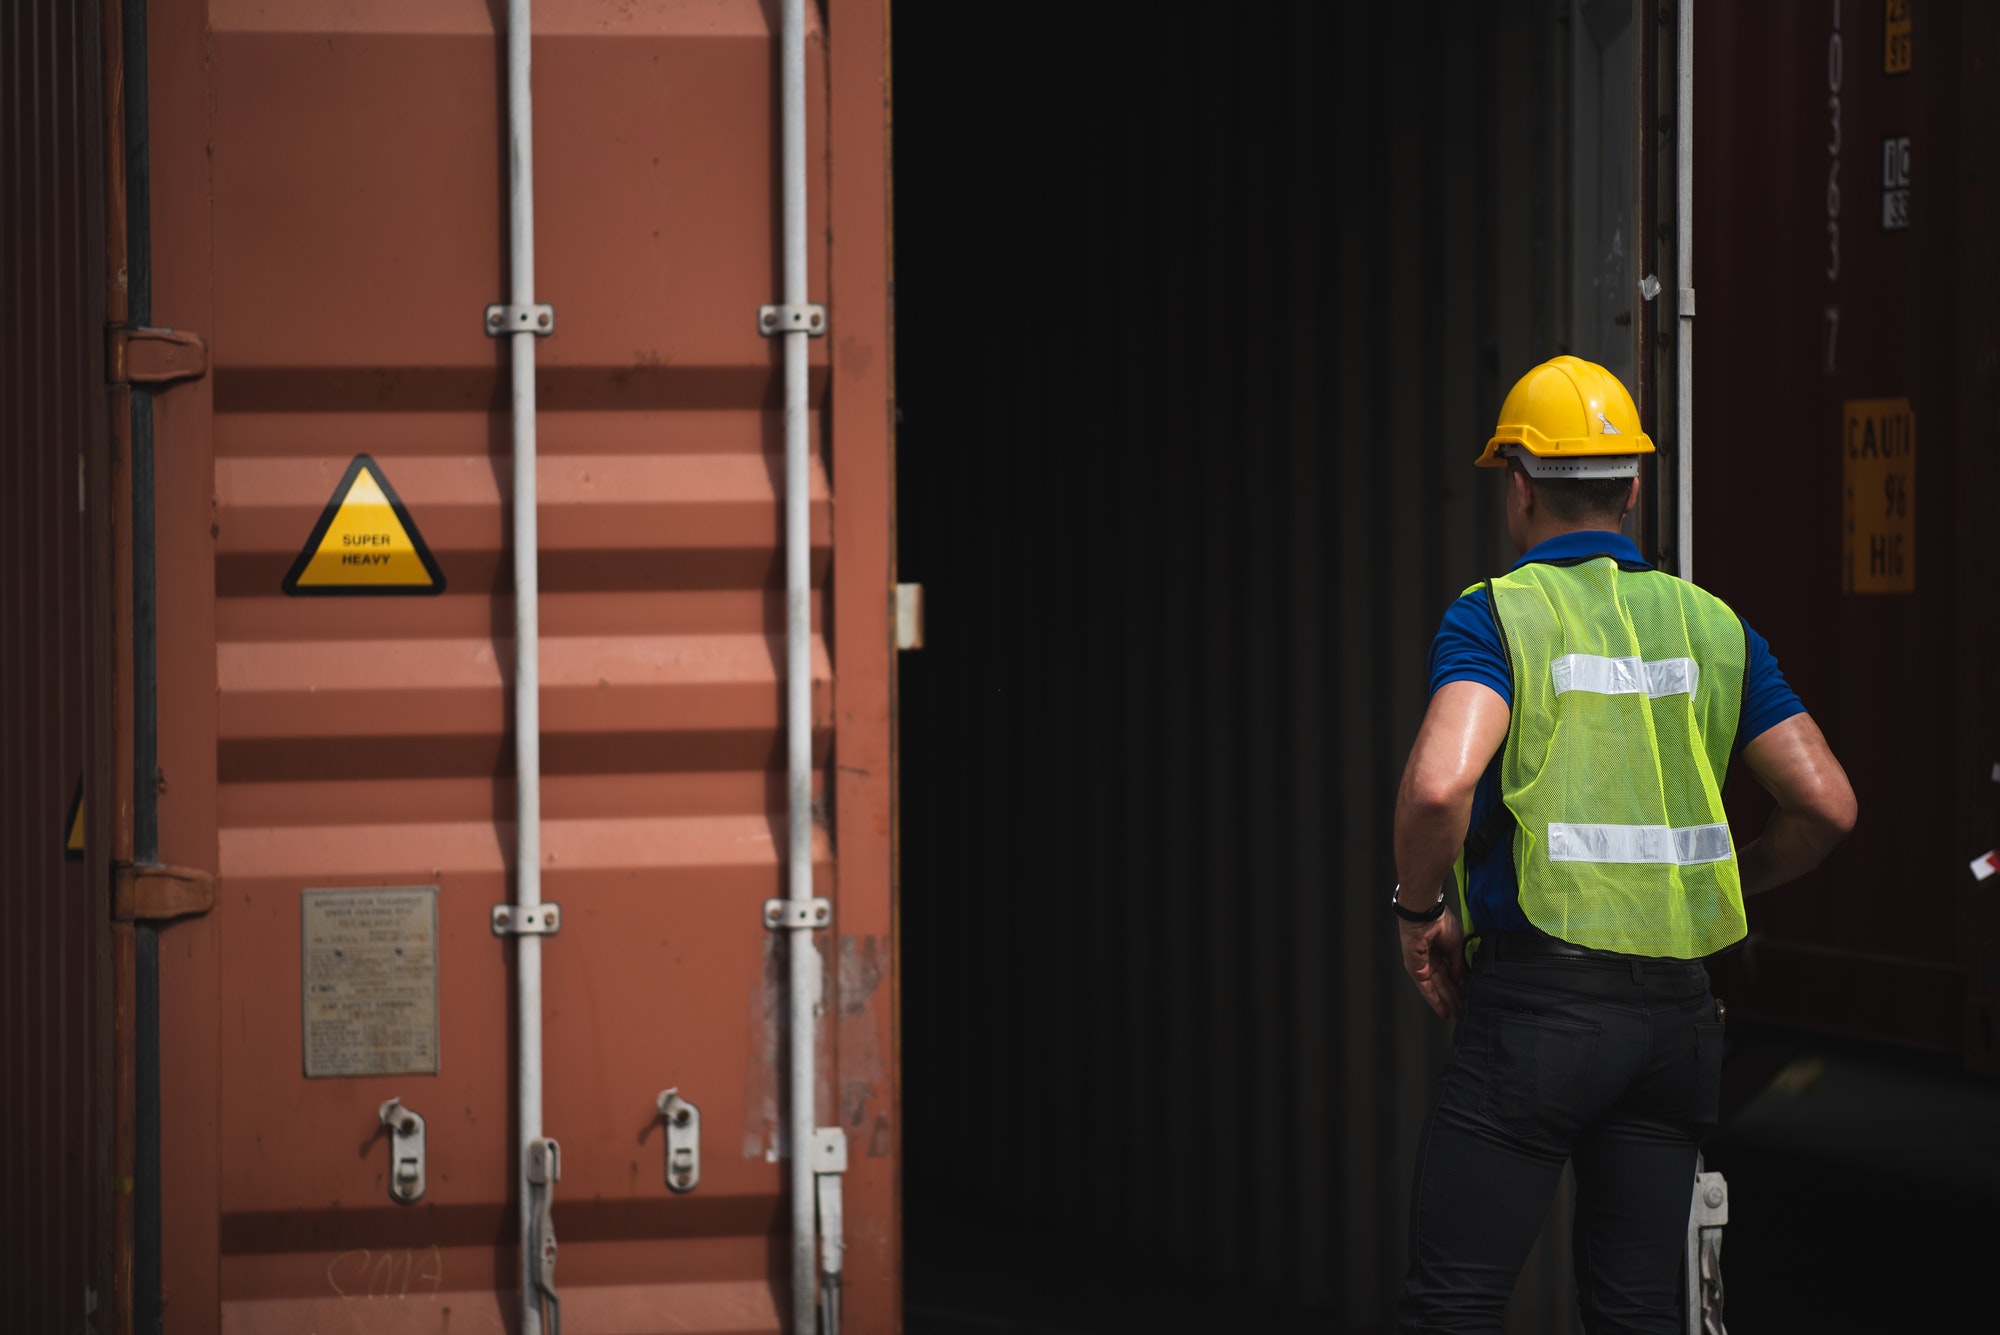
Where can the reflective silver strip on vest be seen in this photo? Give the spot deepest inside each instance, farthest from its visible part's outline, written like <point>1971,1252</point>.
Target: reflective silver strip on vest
<point>1638,843</point>
<point>1624,676</point>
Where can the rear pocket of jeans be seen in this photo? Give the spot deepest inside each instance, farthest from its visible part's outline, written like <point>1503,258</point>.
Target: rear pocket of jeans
<point>1538,1074</point>
<point>1706,1106</point>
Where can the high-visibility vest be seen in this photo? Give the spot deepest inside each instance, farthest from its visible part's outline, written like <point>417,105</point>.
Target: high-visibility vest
<point>1628,684</point>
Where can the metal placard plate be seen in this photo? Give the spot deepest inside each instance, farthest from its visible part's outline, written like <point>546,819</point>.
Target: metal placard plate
<point>369,996</point>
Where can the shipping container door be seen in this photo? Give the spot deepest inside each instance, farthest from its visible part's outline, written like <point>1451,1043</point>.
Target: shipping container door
<point>55,1097</point>
<point>335,658</point>
<point>1846,472</point>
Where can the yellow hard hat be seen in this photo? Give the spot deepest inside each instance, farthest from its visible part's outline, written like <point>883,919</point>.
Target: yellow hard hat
<point>1568,418</point>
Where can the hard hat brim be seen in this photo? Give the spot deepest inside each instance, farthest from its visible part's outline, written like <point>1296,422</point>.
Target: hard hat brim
<point>1530,441</point>
<point>1579,467</point>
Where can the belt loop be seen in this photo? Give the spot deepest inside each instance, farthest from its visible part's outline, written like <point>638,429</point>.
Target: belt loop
<point>1638,973</point>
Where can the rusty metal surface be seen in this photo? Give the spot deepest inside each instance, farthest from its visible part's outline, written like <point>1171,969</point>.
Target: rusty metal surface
<point>54,1117</point>
<point>327,216</point>
<point>1892,939</point>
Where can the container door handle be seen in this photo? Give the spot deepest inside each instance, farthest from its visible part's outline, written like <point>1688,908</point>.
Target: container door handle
<point>544,1171</point>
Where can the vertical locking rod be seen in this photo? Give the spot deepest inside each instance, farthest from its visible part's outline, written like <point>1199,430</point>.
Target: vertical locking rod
<point>1684,281</point>
<point>530,1148</point>
<point>803,954</point>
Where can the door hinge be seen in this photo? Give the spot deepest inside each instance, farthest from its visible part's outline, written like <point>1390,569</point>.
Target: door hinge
<point>153,891</point>
<point>154,356</point>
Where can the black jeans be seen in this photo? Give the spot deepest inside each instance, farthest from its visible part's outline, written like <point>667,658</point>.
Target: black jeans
<point>1613,1064</point>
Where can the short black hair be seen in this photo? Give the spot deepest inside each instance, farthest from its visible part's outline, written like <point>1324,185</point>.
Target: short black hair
<point>1578,500</point>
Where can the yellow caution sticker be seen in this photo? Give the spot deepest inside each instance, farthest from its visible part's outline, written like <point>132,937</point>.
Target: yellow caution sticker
<point>73,839</point>
<point>364,543</point>
<point>1896,36</point>
<point>1878,452</point>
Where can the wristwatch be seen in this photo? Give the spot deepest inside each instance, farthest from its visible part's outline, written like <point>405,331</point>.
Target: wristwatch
<point>1431,914</point>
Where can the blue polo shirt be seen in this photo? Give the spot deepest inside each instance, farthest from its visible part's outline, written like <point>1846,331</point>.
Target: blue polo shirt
<point>1468,648</point>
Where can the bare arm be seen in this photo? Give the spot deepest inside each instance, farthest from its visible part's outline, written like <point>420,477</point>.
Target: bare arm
<point>1461,732</point>
<point>1816,806</point>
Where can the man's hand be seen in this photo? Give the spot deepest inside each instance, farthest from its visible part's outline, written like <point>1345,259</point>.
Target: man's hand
<point>1434,957</point>
<point>1462,731</point>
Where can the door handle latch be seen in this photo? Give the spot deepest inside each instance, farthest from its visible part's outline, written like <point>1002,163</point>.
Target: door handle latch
<point>406,1151</point>
<point>544,1171</point>
<point>683,1121</point>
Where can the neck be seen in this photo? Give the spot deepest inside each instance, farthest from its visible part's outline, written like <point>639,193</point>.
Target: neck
<point>1541,530</point>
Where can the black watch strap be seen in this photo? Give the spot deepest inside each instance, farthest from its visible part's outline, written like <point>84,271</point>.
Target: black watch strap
<point>1431,914</point>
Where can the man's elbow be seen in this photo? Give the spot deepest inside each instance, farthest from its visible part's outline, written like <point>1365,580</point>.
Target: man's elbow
<point>1834,811</point>
<point>1436,794</point>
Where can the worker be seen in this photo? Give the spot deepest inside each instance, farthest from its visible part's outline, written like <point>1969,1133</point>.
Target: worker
<point>1566,788</point>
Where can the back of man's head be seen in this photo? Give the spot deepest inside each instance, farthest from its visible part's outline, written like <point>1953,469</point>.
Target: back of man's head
<point>1597,502</point>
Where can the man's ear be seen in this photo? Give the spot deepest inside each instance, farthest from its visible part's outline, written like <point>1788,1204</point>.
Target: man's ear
<point>1523,488</point>
<point>1631,497</point>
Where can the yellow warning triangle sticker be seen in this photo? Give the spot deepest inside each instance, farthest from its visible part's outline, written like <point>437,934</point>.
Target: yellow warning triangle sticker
<point>73,841</point>
<point>364,543</point>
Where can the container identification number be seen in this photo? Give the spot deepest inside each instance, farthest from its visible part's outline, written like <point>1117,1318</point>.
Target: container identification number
<point>1896,183</point>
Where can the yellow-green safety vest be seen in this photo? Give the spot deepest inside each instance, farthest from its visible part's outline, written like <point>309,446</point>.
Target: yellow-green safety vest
<point>1627,688</point>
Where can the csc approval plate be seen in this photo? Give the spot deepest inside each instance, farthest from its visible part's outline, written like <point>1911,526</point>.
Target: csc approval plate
<point>369,981</point>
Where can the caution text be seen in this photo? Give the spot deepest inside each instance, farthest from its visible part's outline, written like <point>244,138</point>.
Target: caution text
<point>1878,526</point>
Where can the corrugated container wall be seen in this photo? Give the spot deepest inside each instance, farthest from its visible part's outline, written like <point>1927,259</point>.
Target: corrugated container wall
<point>1205,317</point>
<point>1233,299</point>
<point>1848,391</point>
<point>328,208</point>
<point>54,1077</point>
<point>318,193</point>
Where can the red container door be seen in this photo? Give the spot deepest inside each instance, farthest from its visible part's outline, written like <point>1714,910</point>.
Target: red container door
<point>335,660</point>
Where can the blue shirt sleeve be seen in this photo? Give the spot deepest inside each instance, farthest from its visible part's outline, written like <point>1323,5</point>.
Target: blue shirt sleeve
<point>1467,648</point>
<point>1768,699</point>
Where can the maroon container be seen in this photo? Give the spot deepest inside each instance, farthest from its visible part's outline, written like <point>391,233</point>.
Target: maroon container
<point>1848,410</point>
